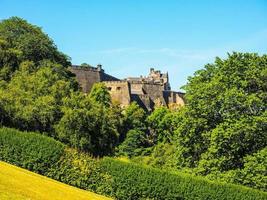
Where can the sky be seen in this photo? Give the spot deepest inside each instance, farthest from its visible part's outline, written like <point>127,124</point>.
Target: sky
<point>130,36</point>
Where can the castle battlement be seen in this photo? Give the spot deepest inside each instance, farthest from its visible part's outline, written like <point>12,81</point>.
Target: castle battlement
<point>115,82</point>
<point>88,68</point>
<point>147,91</point>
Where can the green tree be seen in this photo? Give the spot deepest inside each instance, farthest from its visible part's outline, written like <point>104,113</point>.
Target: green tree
<point>160,124</point>
<point>9,60</point>
<point>28,39</point>
<point>134,143</point>
<point>99,93</point>
<point>133,135</point>
<point>88,125</point>
<point>225,117</point>
<point>32,99</point>
<point>134,117</point>
<point>254,172</point>
<point>21,41</point>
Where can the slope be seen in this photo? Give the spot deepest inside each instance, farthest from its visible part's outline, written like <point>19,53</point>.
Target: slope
<point>20,184</point>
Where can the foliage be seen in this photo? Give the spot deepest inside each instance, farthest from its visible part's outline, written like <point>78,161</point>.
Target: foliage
<point>108,176</point>
<point>99,93</point>
<point>10,59</point>
<point>32,99</point>
<point>81,170</point>
<point>29,150</point>
<point>30,42</point>
<point>88,125</point>
<point>136,182</point>
<point>162,123</point>
<point>254,172</point>
<point>51,158</point>
<point>28,185</point>
<point>225,117</point>
<point>134,143</point>
<point>133,137</point>
<point>222,125</point>
<point>162,156</point>
<point>134,117</point>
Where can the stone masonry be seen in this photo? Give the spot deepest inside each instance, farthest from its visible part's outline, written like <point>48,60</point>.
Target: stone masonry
<point>148,91</point>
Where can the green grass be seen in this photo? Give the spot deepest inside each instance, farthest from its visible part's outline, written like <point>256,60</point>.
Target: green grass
<point>20,184</point>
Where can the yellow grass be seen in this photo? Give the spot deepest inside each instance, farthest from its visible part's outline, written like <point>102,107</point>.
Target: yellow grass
<point>20,184</point>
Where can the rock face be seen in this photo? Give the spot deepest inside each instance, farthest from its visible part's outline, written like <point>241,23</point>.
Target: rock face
<point>148,91</point>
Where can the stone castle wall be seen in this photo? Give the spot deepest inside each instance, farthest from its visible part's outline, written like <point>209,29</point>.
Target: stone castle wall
<point>88,76</point>
<point>173,97</point>
<point>148,92</point>
<point>120,91</point>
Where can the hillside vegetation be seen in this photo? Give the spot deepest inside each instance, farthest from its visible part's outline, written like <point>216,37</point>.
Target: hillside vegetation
<point>20,184</point>
<point>110,176</point>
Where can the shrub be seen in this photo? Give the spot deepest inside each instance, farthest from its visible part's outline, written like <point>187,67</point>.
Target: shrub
<point>131,181</point>
<point>81,170</point>
<point>29,150</point>
<point>46,156</point>
<point>254,172</point>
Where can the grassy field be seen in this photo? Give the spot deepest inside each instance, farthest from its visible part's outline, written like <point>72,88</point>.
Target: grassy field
<point>20,184</point>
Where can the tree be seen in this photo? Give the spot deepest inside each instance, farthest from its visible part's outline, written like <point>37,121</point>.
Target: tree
<point>21,41</point>
<point>32,98</point>
<point>134,143</point>
<point>9,60</point>
<point>254,172</point>
<point>87,125</point>
<point>134,117</point>
<point>225,116</point>
<point>99,93</point>
<point>160,125</point>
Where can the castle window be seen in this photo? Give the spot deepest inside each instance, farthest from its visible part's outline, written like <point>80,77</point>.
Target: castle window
<point>118,88</point>
<point>109,88</point>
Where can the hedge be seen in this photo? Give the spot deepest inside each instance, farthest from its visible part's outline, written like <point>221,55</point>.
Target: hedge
<point>32,151</point>
<point>108,176</point>
<point>46,156</point>
<point>131,181</point>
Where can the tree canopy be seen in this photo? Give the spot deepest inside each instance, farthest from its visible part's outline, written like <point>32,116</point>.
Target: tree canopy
<point>21,41</point>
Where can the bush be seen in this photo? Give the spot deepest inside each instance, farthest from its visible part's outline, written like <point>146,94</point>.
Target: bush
<point>81,170</point>
<point>46,156</point>
<point>254,172</point>
<point>29,150</point>
<point>131,181</point>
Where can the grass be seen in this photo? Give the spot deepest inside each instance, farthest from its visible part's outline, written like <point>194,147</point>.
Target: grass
<point>19,184</point>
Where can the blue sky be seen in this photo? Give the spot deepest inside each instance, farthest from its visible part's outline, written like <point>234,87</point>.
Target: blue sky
<point>129,36</point>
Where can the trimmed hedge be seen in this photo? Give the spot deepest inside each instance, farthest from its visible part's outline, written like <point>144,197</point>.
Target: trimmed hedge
<point>108,176</point>
<point>46,156</point>
<point>32,151</point>
<point>131,181</point>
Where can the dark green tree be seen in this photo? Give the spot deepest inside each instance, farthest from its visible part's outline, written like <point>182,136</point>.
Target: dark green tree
<point>21,41</point>
<point>134,143</point>
<point>88,125</point>
<point>134,117</point>
<point>29,39</point>
<point>160,124</point>
<point>133,135</point>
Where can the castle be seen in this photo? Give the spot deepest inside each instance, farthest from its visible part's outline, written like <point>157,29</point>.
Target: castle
<point>148,91</point>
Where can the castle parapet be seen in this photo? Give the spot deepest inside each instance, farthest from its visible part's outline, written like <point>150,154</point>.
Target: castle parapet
<point>88,68</point>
